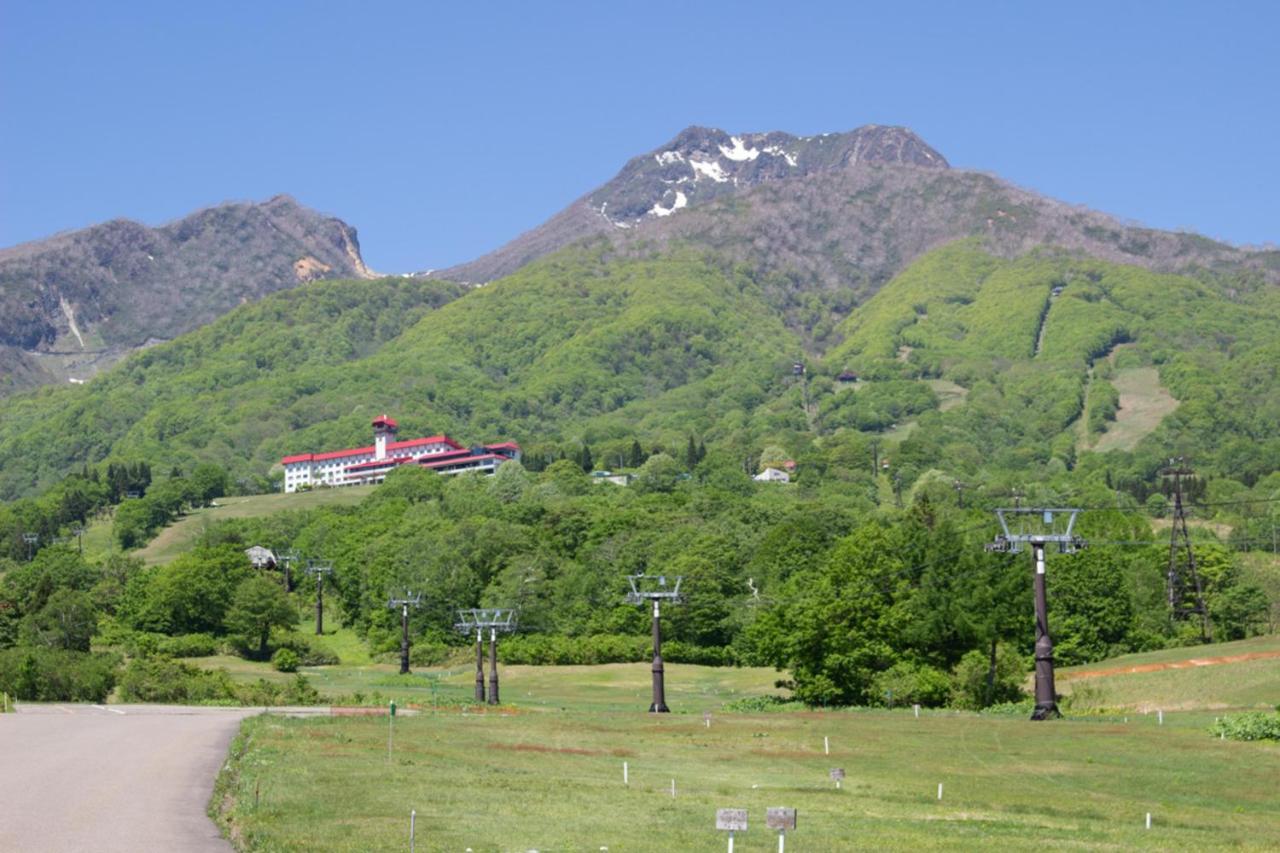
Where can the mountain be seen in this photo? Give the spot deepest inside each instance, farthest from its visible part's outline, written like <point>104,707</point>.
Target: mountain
<point>829,219</point>
<point>77,302</point>
<point>997,336</point>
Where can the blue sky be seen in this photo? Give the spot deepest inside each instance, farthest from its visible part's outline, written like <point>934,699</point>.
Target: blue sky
<point>442,130</point>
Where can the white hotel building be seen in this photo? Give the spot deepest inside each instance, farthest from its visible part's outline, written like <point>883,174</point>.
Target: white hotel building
<point>361,465</point>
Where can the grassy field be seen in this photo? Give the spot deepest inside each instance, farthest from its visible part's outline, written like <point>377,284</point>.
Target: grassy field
<point>553,781</point>
<point>1144,402</point>
<point>178,537</point>
<point>1180,679</point>
<point>545,771</point>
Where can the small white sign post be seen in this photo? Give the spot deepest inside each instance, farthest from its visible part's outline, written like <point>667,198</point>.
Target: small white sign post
<point>731,820</point>
<point>837,774</point>
<point>781,819</point>
<point>706,719</point>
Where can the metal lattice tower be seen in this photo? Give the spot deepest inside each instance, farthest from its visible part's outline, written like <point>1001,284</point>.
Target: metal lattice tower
<point>1038,527</point>
<point>650,588</point>
<point>1182,557</point>
<point>495,620</point>
<point>410,599</point>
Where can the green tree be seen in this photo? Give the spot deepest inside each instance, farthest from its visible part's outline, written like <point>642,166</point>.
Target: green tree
<point>659,473</point>
<point>259,605</point>
<point>68,620</point>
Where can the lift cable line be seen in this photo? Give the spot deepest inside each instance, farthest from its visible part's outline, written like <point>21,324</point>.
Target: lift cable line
<point>495,620</point>
<point>1038,527</point>
<point>1183,558</point>
<point>410,599</point>
<point>650,588</point>
<point>319,568</point>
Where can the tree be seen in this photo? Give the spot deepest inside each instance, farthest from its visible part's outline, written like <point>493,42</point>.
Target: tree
<point>258,606</point>
<point>773,456</point>
<point>209,481</point>
<point>659,474</point>
<point>637,455</point>
<point>68,620</point>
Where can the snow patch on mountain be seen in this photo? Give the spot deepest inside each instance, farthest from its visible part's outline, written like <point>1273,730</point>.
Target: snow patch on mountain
<point>711,168</point>
<point>659,210</point>
<point>739,152</point>
<point>666,158</point>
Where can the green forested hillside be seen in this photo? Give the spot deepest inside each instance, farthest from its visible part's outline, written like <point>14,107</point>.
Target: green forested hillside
<point>585,349</point>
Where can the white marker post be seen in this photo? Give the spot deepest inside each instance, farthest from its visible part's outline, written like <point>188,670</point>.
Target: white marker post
<point>781,819</point>
<point>916,708</point>
<point>826,745</point>
<point>673,789</point>
<point>1160,717</point>
<point>413,817</point>
<point>733,820</point>
<point>837,774</point>
<point>706,719</point>
<point>939,791</point>
<point>1148,820</point>
<point>625,780</point>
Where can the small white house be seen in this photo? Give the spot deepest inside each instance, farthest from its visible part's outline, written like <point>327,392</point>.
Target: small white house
<point>772,475</point>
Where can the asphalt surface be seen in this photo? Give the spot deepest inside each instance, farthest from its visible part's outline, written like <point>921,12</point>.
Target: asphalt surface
<point>113,778</point>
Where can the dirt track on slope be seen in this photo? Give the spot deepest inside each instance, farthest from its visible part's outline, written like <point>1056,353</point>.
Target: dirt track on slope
<point>1191,663</point>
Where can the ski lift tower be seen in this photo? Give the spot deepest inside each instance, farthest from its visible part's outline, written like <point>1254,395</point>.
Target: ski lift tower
<point>495,620</point>
<point>1039,527</point>
<point>644,589</point>
<point>409,599</point>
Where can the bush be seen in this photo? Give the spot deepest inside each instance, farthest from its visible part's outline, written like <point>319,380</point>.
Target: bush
<point>907,683</point>
<point>165,680</point>
<point>310,652</point>
<point>969,687</point>
<point>285,660</point>
<point>762,704</point>
<point>56,675</point>
<point>554,650</point>
<point>1257,725</point>
<point>678,652</point>
<point>188,646</point>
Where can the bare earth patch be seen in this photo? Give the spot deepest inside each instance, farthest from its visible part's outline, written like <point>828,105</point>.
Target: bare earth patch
<point>1190,663</point>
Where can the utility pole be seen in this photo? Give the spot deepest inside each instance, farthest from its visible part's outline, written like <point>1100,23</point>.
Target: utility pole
<point>959,487</point>
<point>645,589</point>
<point>31,539</point>
<point>495,620</point>
<point>319,568</point>
<point>897,489</point>
<point>1035,526</point>
<point>875,457</point>
<point>1177,469</point>
<point>78,532</point>
<point>410,600</point>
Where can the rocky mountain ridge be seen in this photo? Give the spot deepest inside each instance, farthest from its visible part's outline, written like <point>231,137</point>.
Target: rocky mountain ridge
<point>77,302</point>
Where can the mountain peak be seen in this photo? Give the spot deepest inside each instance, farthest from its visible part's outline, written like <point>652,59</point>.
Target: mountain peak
<point>701,163</point>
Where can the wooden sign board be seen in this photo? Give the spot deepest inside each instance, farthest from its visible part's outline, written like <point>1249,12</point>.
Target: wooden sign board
<point>837,774</point>
<point>779,818</point>
<point>734,820</point>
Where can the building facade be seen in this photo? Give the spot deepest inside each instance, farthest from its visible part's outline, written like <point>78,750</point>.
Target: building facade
<point>360,466</point>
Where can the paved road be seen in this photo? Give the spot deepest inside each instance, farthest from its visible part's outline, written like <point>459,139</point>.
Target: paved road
<point>112,778</point>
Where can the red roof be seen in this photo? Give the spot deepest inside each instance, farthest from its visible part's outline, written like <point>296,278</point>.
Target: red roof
<point>361,451</point>
<point>386,422</point>
<point>504,445</point>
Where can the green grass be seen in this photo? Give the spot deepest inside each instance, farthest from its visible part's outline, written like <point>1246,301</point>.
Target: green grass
<point>1196,685</point>
<point>178,537</point>
<point>553,781</point>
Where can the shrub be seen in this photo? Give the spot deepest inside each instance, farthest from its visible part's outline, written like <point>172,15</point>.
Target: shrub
<point>310,651</point>
<point>969,687</point>
<point>57,675</point>
<point>188,646</point>
<point>285,660</point>
<point>165,680</point>
<point>907,683</point>
<point>761,704</point>
<point>1258,725</point>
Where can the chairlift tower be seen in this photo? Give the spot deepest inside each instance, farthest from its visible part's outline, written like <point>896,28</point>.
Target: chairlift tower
<point>645,589</point>
<point>287,559</point>
<point>319,568</point>
<point>1038,527</point>
<point>31,539</point>
<point>495,620</point>
<point>410,599</point>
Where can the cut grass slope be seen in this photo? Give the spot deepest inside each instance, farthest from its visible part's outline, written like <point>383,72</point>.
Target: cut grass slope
<point>178,537</point>
<point>554,782</point>
<point>1144,403</point>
